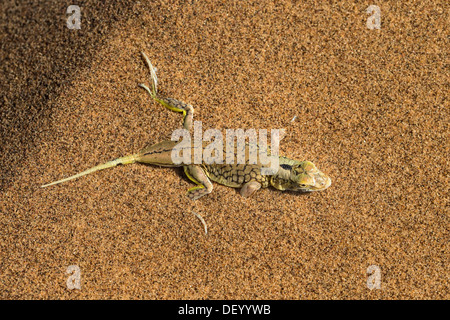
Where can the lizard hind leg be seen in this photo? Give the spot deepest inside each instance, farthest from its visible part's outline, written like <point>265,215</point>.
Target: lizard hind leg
<point>197,175</point>
<point>154,78</point>
<point>172,104</point>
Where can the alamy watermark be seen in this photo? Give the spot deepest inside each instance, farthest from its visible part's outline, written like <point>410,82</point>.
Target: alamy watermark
<point>74,280</point>
<point>254,152</point>
<point>374,21</point>
<point>74,20</point>
<point>374,279</point>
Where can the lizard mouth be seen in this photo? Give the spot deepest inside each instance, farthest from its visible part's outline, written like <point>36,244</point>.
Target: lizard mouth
<point>322,182</point>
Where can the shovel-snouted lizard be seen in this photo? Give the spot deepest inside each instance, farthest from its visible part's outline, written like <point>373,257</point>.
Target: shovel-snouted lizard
<point>292,174</point>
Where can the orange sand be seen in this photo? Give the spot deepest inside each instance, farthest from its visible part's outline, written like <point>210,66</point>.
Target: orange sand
<point>372,112</point>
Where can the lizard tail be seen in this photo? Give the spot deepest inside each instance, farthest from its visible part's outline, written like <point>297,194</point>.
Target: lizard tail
<point>110,164</point>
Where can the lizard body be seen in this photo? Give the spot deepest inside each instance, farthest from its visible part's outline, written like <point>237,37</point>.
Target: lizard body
<point>291,175</point>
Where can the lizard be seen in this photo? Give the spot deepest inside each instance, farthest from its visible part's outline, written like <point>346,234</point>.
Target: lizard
<point>291,175</point>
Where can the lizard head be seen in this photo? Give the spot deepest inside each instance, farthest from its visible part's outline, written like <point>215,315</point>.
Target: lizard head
<point>306,177</point>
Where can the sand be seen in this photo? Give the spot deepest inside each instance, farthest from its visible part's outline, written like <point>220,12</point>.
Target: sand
<point>371,111</point>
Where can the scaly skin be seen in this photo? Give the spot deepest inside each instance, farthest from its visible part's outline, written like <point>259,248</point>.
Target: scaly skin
<point>291,175</point>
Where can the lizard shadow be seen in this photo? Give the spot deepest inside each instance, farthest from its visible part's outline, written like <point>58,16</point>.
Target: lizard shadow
<point>272,189</point>
<point>297,193</point>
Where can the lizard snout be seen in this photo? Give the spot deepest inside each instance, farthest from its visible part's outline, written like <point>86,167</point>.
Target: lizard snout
<point>322,181</point>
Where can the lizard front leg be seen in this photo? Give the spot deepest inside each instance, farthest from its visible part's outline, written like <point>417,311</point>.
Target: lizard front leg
<point>250,188</point>
<point>172,104</point>
<point>198,175</point>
